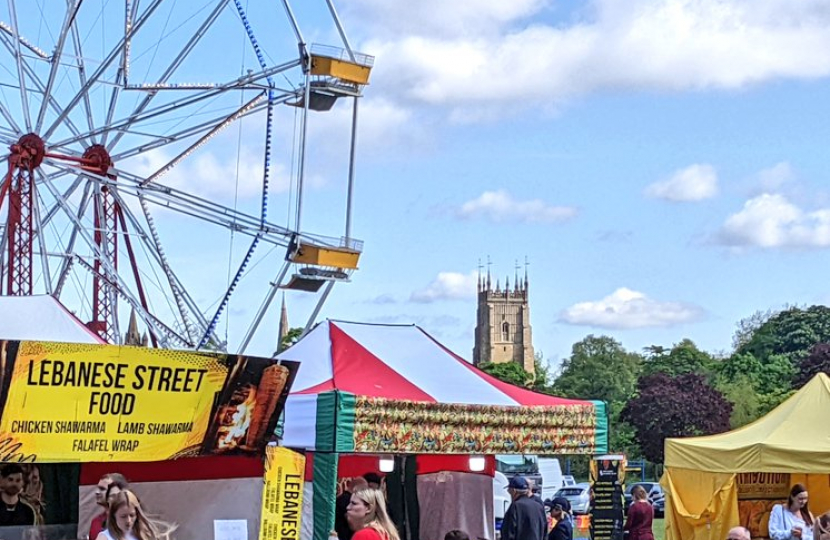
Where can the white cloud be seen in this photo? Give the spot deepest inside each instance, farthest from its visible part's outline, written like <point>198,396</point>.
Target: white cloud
<point>500,207</point>
<point>691,184</point>
<point>626,309</point>
<point>465,58</point>
<point>771,221</point>
<point>448,286</point>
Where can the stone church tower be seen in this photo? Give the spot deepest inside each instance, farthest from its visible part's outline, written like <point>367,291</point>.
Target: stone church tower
<point>503,324</point>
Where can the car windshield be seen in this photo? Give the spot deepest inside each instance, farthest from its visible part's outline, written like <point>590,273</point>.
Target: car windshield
<point>570,492</point>
<point>646,487</point>
<point>517,464</point>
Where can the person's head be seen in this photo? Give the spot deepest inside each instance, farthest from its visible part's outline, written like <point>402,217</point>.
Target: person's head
<point>456,535</point>
<point>112,490</point>
<point>518,487</point>
<point>373,480</point>
<point>531,485</point>
<point>367,508</point>
<point>11,479</point>
<point>797,501</point>
<point>559,506</point>
<point>738,533</point>
<point>125,516</point>
<point>639,493</point>
<point>821,530</point>
<point>104,483</point>
<point>357,483</point>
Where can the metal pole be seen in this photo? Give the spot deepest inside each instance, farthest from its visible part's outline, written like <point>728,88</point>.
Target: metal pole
<point>350,189</point>
<point>263,308</point>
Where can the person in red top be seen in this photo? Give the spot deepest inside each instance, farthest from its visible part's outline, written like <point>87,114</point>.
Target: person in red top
<point>640,516</point>
<point>99,522</point>
<point>368,518</point>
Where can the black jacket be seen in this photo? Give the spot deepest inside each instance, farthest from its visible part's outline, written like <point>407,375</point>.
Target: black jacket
<point>524,520</point>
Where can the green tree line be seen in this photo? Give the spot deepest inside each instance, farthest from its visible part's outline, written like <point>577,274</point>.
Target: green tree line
<point>681,390</point>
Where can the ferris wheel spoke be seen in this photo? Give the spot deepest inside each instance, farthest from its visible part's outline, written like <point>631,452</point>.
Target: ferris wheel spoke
<point>71,12</point>
<point>175,64</point>
<point>98,73</point>
<point>188,132</point>
<point>10,119</point>
<point>63,274</point>
<point>66,194</point>
<point>81,67</point>
<point>178,105</point>
<point>18,57</point>
<point>38,85</point>
<point>110,275</point>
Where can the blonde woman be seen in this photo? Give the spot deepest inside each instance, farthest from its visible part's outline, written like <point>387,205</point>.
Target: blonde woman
<point>127,521</point>
<point>367,516</point>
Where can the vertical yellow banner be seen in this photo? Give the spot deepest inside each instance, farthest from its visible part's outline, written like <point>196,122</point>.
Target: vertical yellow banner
<point>282,494</point>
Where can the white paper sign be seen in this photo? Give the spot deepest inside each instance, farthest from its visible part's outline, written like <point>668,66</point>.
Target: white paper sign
<point>230,529</point>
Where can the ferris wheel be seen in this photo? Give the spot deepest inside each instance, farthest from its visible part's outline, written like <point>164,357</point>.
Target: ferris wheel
<point>134,129</point>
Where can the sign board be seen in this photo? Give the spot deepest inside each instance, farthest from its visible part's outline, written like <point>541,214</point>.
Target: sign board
<point>77,402</point>
<point>282,494</point>
<point>607,477</point>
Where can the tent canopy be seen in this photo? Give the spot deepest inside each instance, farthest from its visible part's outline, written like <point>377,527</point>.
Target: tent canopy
<point>390,388</point>
<point>41,318</point>
<point>788,439</point>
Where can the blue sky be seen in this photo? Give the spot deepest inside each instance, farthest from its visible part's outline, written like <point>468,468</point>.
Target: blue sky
<point>660,163</point>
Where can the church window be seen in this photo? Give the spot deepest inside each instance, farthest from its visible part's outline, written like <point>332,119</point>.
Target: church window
<point>505,331</point>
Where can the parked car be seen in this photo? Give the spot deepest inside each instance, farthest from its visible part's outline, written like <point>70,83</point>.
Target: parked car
<point>653,490</point>
<point>579,495</point>
<point>659,506</point>
<point>568,480</point>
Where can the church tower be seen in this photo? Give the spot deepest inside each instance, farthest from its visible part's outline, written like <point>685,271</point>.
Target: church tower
<point>503,323</point>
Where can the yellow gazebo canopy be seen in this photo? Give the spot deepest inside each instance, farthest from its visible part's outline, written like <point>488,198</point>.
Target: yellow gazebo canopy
<point>700,472</point>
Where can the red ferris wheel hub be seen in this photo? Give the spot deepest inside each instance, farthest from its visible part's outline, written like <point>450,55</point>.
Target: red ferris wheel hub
<point>97,159</point>
<point>29,151</point>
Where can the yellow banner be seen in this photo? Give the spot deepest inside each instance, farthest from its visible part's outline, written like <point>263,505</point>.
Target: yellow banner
<point>74,402</point>
<point>282,495</point>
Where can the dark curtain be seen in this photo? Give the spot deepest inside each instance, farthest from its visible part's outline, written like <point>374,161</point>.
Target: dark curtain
<point>402,497</point>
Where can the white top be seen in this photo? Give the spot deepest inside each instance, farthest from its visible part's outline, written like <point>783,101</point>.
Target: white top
<point>782,522</point>
<point>130,536</point>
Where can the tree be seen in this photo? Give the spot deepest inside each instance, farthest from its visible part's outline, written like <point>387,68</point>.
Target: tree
<point>598,368</point>
<point>817,361</point>
<point>769,377</point>
<point>542,378</point>
<point>290,338</point>
<point>684,357</point>
<point>746,327</point>
<point>792,332</point>
<point>679,406</point>
<point>509,372</point>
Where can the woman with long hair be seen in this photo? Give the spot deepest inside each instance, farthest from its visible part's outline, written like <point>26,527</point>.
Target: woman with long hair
<point>126,520</point>
<point>368,518</point>
<point>792,521</point>
<point>640,516</point>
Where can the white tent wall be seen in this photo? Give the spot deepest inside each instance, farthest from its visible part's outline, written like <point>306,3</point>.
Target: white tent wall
<point>301,416</point>
<point>456,500</point>
<point>192,505</point>
<point>41,318</point>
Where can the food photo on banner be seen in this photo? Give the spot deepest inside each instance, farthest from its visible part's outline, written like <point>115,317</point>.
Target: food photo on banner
<point>70,414</point>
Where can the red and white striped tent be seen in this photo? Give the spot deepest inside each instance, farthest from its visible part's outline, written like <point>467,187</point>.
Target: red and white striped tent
<point>394,389</point>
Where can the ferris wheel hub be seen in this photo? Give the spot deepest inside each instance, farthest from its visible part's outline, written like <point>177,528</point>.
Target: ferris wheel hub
<point>28,152</point>
<point>97,159</point>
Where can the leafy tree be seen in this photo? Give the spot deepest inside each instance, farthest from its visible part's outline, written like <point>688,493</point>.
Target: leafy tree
<point>745,401</point>
<point>746,327</point>
<point>598,368</point>
<point>684,357</point>
<point>542,378</point>
<point>679,406</point>
<point>817,361</point>
<point>290,338</point>
<point>769,377</point>
<point>509,372</point>
<point>792,332</point>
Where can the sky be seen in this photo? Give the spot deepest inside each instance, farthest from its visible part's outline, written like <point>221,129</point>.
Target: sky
<point>659,164</point>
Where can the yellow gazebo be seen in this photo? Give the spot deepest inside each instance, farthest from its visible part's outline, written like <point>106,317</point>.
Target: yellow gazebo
<point>701,476</point>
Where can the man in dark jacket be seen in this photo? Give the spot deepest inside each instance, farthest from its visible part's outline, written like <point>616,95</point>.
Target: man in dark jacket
<point>525,519</point>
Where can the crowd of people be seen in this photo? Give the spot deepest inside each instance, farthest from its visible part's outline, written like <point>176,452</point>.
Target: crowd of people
<point>122,516</point>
